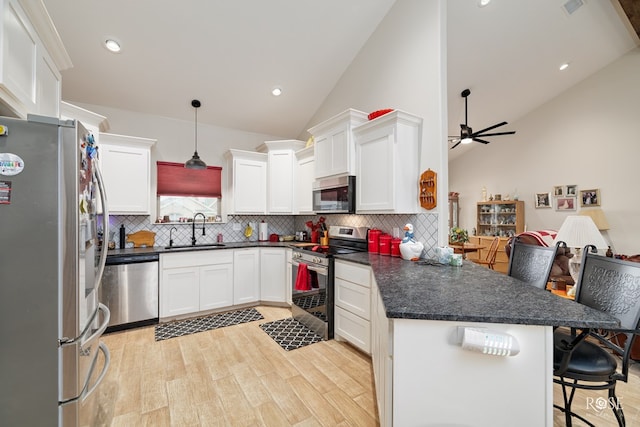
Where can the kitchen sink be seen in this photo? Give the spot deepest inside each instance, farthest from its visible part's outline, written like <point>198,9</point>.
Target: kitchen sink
<point>202,246</point>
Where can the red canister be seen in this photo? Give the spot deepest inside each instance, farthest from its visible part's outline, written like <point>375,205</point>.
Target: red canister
<point>385,244</point>
<point>374,240</point>
<point>395,246</point>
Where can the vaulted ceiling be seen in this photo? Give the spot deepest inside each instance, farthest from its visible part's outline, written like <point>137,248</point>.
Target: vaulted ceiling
<point>230,54</point>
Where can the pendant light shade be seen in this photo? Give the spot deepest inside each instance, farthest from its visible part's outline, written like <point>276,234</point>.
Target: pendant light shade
<point>195,162</point>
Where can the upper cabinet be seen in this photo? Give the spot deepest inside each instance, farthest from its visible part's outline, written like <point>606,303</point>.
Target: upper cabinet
<point>126,170</point>
<point>303,185</point>
<point>387,163</point>
<point>93,122</point>
<point>31,60</point>
<point>281,179</point>
<point>246,183</point>
<point>333,142</point>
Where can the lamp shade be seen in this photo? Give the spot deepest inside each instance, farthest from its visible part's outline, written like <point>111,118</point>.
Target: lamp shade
<point>577,231</point>
<point>598,217</point>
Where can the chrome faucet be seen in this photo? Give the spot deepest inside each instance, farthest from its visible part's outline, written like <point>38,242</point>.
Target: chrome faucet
<point>193,227</point>
<point>171,236</point>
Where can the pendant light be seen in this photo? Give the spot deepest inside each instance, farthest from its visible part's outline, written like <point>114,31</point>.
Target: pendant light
<point>195,162</point>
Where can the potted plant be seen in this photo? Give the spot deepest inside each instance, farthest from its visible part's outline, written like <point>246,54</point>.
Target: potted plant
<point>458,236</point>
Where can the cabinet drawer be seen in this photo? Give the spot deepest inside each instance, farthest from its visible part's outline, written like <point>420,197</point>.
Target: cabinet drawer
<point>196,258</point>
<point>353,329</point>
<point>353,273</point>
<point>353,298</point>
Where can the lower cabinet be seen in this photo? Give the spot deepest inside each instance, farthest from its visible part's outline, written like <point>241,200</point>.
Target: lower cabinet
<point>273,275</point>
<point>195,281</point>
<point>200,281</point>
<point>353,304</point>
<point>246,275</point>
<point>381,356</point>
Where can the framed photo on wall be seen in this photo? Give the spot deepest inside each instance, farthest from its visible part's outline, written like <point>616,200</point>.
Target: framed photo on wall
<point>571,190</point>
<point>558,190</point>
<point>566,203</point>
<point>590,197</point>
<point>543,200</point>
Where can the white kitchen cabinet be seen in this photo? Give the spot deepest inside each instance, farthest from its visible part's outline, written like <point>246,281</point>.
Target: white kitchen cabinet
<point>192,282</point>
<point>281,174</point>
<point>334,151</point>
<point>32,57</point>
<point>246,190</point>
<point>304,177</point>
<point>381,356</point>
<point>246,275</point>
<point>93,122</point>
<point>126,169</point>
<point>353,304</point>
<point>387,164</point>
<point>273,275</point>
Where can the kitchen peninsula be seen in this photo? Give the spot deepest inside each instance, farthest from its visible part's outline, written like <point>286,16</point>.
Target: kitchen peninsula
<point>422,374</point>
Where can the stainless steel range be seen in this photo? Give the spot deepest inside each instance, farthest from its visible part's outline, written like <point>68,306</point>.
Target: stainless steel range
<point>313,277</point>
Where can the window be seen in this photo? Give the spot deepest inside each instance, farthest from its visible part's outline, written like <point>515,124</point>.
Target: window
<point>184,192</point>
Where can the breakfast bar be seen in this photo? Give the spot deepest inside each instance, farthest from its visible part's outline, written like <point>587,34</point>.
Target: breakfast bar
<point>423,374</point>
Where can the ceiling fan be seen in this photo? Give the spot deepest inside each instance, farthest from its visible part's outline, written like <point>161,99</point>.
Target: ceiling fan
<point>467,134</point>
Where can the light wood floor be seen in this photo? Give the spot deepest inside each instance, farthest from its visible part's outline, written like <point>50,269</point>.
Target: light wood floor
<point>238,376</point>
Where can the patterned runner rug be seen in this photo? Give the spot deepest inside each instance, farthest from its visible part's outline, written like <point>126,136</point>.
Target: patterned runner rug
<point>290,334</point>
<point>179,328</point>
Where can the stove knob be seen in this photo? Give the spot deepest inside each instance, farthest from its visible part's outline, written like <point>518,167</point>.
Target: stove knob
<point>317,260</point>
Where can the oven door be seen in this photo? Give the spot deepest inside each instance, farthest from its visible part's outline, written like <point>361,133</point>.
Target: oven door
<point>314,307</point>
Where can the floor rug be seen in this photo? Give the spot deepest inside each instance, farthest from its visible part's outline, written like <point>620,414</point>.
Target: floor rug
<point>290,334</point>
<point>200,324</point>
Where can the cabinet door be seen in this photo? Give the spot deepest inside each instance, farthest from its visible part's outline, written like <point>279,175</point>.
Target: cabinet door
<point>281,181</point>
<point>246,275</point>
<point>323,156</point>
<point>353,328</point>
<point>304,185</point>
<point>375,166</point>
<point>125,170</point>
<point>47,87</point>
<point>273,275</point>
<point>249,191</point>
<point>179,291</point>
<point>353,298</point>
<point>216,286</point>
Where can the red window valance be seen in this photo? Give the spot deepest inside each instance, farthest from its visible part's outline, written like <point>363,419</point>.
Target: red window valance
<point>176,180</point>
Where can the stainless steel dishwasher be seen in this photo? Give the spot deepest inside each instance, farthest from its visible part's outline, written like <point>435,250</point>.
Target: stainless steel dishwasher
<point>130,289</point>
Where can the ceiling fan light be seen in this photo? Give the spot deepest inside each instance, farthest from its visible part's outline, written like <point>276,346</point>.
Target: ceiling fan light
<point>466,141</point>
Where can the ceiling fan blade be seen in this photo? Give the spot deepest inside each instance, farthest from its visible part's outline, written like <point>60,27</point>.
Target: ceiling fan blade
<point>456,144</point>
<point>489,128</point>
<point>496,134</point>
<point>481,140</point>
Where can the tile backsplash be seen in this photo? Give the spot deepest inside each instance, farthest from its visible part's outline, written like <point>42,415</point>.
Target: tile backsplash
<point>425,227</point>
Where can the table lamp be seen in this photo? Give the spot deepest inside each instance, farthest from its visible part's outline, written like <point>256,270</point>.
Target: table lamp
<point>577,231</point>
<point>600,219</point>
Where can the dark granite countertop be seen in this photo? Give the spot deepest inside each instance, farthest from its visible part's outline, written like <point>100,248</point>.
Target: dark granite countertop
<point>471,293</point>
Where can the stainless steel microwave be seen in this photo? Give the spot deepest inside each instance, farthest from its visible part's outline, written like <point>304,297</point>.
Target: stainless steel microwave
<point>335,195</point>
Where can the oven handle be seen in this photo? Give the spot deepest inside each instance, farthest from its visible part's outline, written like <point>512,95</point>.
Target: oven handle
<point>321,270</point>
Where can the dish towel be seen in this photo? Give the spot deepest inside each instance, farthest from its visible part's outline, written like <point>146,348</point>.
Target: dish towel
<point>302,279</point>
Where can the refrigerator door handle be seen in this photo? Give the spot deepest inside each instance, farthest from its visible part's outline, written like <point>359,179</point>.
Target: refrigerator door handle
<point>105,223</point>
<point>97,333</point>
<point>107,361</point>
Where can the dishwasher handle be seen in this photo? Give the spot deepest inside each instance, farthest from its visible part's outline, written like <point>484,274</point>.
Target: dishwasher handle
<point>131,259</point>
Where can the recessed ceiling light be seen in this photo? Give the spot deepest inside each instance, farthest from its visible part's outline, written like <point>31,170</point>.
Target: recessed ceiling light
<point>564,66</point>
<point>112,45</point>
<point>483,3</point>
<point>276,91</point>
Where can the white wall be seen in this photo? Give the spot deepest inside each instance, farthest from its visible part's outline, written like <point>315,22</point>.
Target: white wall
<point>403,66</point>
<point>587,136</point>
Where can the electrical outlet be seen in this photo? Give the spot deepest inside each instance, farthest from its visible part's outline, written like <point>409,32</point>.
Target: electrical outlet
<point>236,226</point>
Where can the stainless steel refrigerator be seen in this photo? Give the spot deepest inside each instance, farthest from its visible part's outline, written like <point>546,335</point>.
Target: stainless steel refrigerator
<point>51,199</point>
